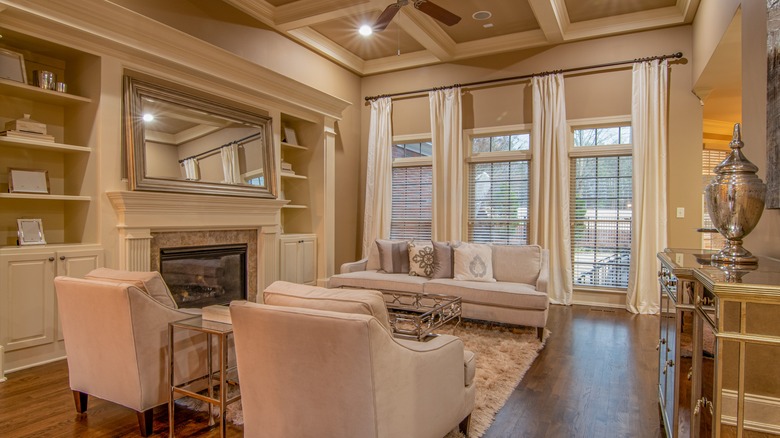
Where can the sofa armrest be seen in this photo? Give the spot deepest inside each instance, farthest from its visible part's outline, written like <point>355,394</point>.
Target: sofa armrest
<point>359,265</point>
<point>544,272</point>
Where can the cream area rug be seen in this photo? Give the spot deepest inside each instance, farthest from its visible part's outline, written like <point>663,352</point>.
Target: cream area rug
<point>503,354</point>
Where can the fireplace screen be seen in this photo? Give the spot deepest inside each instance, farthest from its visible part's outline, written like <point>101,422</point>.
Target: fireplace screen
<point>205,275</point>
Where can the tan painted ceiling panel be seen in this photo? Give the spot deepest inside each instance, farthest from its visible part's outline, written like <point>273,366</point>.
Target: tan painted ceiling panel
<point>580,10</point>
<point>508,17</point>
<point>344,32</point>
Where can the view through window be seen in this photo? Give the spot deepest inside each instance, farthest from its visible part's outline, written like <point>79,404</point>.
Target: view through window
<point>412,192</point>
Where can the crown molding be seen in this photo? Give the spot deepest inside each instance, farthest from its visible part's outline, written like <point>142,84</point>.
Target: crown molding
<point>500,44</point>
<point>634,22</point>
<point>103,25</point>
<point>400,62</point>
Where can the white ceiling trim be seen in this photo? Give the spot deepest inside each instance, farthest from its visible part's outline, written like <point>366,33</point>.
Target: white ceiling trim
<point>405,60</point>
<point>291,16</point>
<point>426,32</point>
<point>501,44</point>
<point>258,9</point>
<point>633,22</point>
<point>549,18</point>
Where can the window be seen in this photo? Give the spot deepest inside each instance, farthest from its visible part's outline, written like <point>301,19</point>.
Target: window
<point>412,192</point>
<point>709,159</point>
<point>601,210</point>
<point>498,189</point>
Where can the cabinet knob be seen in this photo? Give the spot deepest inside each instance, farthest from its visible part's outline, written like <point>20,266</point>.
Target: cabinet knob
<point>51,259</point>
<point>62,257</point>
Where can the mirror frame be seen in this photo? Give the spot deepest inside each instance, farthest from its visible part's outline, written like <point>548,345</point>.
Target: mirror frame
<point>135,145</point>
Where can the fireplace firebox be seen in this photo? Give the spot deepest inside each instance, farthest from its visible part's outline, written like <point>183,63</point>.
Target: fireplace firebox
<point>204,275</point>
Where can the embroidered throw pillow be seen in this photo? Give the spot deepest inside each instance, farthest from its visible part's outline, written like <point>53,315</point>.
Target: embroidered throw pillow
<point>473,262</point>
<point>393,256</point>
<point>421,259</point>
<point>442,260</point>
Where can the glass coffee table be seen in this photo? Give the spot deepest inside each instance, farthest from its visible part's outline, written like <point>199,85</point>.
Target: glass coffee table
<point>416,316</point>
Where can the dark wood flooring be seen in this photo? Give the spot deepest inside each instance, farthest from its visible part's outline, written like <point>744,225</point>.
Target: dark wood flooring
<point>596,377</point>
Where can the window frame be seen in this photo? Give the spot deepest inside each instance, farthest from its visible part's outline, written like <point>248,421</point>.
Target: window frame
<point>621,150</point>
<point>411,161</point>
<point>492,157</point>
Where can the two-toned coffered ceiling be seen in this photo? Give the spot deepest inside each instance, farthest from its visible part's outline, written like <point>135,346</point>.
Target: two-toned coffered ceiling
<point>414,39</point>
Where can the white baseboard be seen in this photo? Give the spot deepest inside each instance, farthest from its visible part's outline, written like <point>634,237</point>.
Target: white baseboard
<point>43,362</point>
<point>762,414</point>
<point>2,366</point>
<point>599,299</point>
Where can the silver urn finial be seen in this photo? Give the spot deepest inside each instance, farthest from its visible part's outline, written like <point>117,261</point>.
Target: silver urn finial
<point>735,202</point>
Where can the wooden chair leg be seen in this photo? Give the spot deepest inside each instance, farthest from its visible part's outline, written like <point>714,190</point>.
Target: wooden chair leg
<point>80,398</point>
<point>540,333</point>
<point>145,421</point>
<point>465,425</point>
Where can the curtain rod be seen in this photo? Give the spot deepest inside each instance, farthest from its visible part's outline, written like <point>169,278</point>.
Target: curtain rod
<point>210,151</point>
<point>528,76</point>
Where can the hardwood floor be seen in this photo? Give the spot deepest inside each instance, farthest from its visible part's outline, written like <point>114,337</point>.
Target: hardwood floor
<point>596,377</point>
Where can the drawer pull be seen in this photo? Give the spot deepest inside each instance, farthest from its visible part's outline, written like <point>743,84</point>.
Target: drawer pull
<point>51,259</point>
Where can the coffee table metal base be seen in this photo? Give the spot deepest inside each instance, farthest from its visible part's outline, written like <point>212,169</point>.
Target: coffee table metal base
<point>416,316</point>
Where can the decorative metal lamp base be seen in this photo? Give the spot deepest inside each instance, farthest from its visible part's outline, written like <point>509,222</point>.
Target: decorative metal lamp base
<point>734,254</point>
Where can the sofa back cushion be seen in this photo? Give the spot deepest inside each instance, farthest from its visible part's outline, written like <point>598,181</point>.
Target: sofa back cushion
<point>393,256</point>
<point>150,282</point>
<point>517,264</point>
<point>362,301</point>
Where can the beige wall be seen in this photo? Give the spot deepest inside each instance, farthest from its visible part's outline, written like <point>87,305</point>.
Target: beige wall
<point>710,24</point>
<point>601,94</point>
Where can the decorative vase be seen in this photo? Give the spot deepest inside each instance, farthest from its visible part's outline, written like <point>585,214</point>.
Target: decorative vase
<point>735,201</point>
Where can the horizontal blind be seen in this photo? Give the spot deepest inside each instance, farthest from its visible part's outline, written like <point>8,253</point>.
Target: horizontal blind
<point>710,159</point>
<point>601,212</point>
<point>498,202</point>
<point>412,199</point>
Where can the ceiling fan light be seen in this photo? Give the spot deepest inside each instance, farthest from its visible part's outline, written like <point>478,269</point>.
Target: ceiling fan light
<point>481,15</point>
<point>365,30</point>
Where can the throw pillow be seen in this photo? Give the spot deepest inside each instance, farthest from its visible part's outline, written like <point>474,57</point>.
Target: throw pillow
<point>421,258</point>
<point>473,262</point>
<point>393,256</point>
<point>442,260</point>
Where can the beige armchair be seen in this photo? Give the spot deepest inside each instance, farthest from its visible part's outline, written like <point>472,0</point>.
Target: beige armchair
<point>310,372</point>
<point>116,339</point>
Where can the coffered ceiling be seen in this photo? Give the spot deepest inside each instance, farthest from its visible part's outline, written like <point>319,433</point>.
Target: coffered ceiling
<point>414,39</point>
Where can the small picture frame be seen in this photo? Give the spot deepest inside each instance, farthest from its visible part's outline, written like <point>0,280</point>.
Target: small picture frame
<point>28,181</point>
<point>289,136</point>
<point>12,66</point>
<point>30,232</point>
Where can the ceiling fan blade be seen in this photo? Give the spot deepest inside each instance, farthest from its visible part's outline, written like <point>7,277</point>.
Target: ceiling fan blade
<point>437,12</point>
<point>386,17</point>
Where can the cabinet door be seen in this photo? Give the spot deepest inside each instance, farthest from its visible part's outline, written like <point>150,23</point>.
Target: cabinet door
<point>75,263</point>
<point>27,292</point>
<point>288,260</point>
<point>308,261</point>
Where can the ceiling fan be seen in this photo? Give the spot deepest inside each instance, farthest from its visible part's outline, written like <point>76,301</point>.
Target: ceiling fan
<point>425,6</point>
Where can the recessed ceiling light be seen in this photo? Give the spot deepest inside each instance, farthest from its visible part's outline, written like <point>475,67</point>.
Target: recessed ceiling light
<point>481,15</point>
<point>148,117</point>
<point>365,30</point>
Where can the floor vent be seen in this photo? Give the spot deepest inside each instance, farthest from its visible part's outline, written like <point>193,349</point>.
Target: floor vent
<point>602,309</point>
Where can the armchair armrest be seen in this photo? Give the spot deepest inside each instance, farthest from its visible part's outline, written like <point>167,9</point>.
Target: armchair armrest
<point>359,265</point>
<point>544,272</point>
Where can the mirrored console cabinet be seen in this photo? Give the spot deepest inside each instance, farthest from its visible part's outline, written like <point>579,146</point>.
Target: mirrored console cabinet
<point>719,347</point>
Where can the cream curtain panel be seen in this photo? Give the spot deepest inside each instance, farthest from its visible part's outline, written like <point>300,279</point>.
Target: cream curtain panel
<point>230,169</point>
<point>379,177</point>
<point>549,218</point>
<point>191,169</point>
<point>648,127</point>
<point>447,139</point>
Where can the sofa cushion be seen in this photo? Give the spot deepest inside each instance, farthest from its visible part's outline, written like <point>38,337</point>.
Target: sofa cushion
<point>378,280</point>
<point>517,263</point>
<point>150,282</point>
<point>372,263</point>
<point>503,294</point>
<point>473,262</point>
<point>442,260</point>
<point>393,256</point>
<point>421,258</point>
<point>367,302</point>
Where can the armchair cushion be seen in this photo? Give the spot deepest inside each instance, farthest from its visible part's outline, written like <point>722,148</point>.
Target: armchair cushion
<point>151,283</point>
<point>366,302</point>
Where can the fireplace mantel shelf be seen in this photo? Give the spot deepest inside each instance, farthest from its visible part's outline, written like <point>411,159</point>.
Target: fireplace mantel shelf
<point>153,210</point>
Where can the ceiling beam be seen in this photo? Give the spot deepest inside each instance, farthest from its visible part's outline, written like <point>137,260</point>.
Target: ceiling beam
<point>257,9</point>
<point>402,61</point>
<point>551,16</point>
<point>688,9</point>
<point>500,44</point>
<point>326,47</point>
<point>300,14</point>
<point>426,31</point>
<point>633,22</point>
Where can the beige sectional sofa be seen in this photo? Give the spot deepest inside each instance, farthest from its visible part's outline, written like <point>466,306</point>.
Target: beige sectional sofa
<point>518,296</point>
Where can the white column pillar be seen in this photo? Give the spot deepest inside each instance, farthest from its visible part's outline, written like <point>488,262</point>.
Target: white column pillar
<point>326,246</point>
<point>135,246</point>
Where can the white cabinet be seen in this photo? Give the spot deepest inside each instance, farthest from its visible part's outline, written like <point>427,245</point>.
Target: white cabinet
<point>298,258</point>
<point>29,327</point>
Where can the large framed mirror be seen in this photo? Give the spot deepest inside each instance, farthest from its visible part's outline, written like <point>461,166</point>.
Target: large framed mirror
<point>179,142</point>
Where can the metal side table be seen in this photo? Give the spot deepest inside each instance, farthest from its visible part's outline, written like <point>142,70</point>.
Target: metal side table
<point>212,329</point>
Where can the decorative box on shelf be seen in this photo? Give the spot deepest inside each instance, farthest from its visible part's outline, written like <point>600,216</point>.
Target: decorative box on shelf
<point>22,135</point>
<point>26,125</point>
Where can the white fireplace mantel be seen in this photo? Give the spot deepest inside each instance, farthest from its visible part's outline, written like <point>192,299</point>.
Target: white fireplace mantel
<point>140,213</point>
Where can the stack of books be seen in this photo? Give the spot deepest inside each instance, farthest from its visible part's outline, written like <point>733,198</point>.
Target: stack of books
<point>22,135</point>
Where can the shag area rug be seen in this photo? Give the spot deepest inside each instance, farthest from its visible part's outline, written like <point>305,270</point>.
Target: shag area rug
<point>504,354</point>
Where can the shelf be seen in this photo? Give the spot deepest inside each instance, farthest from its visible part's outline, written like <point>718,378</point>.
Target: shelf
<point>43,145</point>
<point>298,207</point>
<point>44,197</point>
<point>294,146</point>
<point>293,176</point>
<point>18,89</point>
